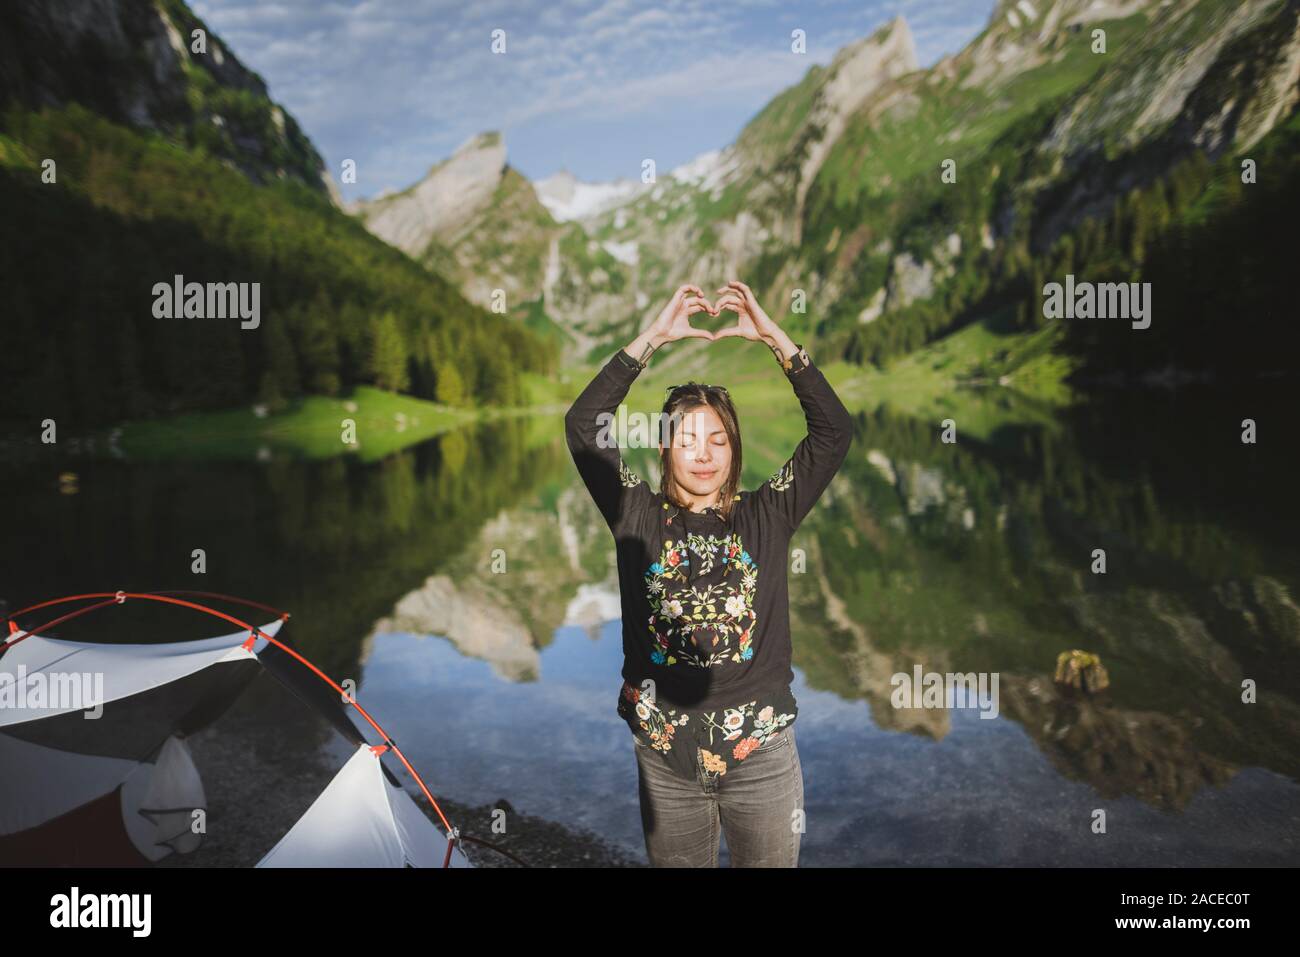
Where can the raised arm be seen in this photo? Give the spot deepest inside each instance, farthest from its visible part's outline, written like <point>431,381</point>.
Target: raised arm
<point>588,425</point>
<point>791,493</point>
<point>796,486</point>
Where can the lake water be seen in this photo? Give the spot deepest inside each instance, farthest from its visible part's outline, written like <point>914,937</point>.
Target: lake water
<point>968,557</point>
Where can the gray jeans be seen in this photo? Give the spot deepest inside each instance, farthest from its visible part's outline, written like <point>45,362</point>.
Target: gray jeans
<point>753,804</point>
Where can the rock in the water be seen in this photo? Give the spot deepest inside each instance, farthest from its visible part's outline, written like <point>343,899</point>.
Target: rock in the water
<point>1082,670</point>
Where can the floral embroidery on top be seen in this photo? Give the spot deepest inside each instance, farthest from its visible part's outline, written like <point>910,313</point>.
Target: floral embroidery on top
<point>783,478</point>
<point>625,475</point>
<point>719,733</point>
<point>702,625</point>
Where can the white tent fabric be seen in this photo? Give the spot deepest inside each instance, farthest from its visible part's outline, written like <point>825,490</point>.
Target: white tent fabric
<point>127,669</point>
<point>361,820</point>
<point>158,802</point>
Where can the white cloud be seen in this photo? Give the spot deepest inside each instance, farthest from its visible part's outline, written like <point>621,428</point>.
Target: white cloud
<point>397,86</point>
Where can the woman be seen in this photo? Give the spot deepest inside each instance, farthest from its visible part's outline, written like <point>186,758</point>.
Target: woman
<point>702,572</point>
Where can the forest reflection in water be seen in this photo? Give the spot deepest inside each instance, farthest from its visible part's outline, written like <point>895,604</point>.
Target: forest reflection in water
<point>469,584</point>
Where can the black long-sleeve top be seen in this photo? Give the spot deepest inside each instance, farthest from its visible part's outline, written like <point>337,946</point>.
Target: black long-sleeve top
<point>705,602</point>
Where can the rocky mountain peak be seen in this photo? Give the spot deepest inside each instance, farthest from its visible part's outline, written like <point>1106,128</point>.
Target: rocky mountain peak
<point>858,72</point>
<point>450,194</point>
<point>480,142</point>
<point>890,47</point>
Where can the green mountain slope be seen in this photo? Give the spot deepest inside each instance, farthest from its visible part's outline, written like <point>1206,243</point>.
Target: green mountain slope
<point>1063,127</point>
<point>99,211</point>
<point>155,66</point>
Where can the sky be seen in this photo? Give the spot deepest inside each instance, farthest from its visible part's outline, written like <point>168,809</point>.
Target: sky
<point>591,86</point>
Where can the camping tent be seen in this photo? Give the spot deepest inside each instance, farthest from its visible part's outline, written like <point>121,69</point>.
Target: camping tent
<point>362,820</point>
<point>97,769</point>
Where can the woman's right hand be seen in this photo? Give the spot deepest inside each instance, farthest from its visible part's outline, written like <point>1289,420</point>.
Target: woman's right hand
<point>674,322</point>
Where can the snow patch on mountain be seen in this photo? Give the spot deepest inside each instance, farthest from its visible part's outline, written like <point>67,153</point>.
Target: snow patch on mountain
<point>568,198</point>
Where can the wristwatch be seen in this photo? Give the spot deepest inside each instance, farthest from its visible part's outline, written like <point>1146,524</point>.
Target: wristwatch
<point>797,362</point>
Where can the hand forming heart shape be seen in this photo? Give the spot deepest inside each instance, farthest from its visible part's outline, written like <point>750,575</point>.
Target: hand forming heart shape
<point>751,321</point>
<point>673,323</point>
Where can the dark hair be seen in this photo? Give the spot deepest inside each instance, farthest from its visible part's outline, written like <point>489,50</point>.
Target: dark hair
<point>681,399</point>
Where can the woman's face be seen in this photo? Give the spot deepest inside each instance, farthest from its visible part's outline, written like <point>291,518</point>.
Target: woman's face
<point>701,452</point>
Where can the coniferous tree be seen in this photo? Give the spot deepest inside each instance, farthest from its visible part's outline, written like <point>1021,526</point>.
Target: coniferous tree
<point>450,385</point>
<point>320,354</point>
<point>386,366</point>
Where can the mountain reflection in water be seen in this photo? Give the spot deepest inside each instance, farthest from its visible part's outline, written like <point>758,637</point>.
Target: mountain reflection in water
<point>468,584</point>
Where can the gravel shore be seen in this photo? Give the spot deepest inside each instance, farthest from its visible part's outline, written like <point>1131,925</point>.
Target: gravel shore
<point>266,760</point>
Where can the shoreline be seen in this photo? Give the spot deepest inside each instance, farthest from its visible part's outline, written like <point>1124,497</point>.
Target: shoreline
<point>267,759</point>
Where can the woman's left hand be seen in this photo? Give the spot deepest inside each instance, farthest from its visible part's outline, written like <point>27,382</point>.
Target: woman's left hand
<point>753,323</point>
